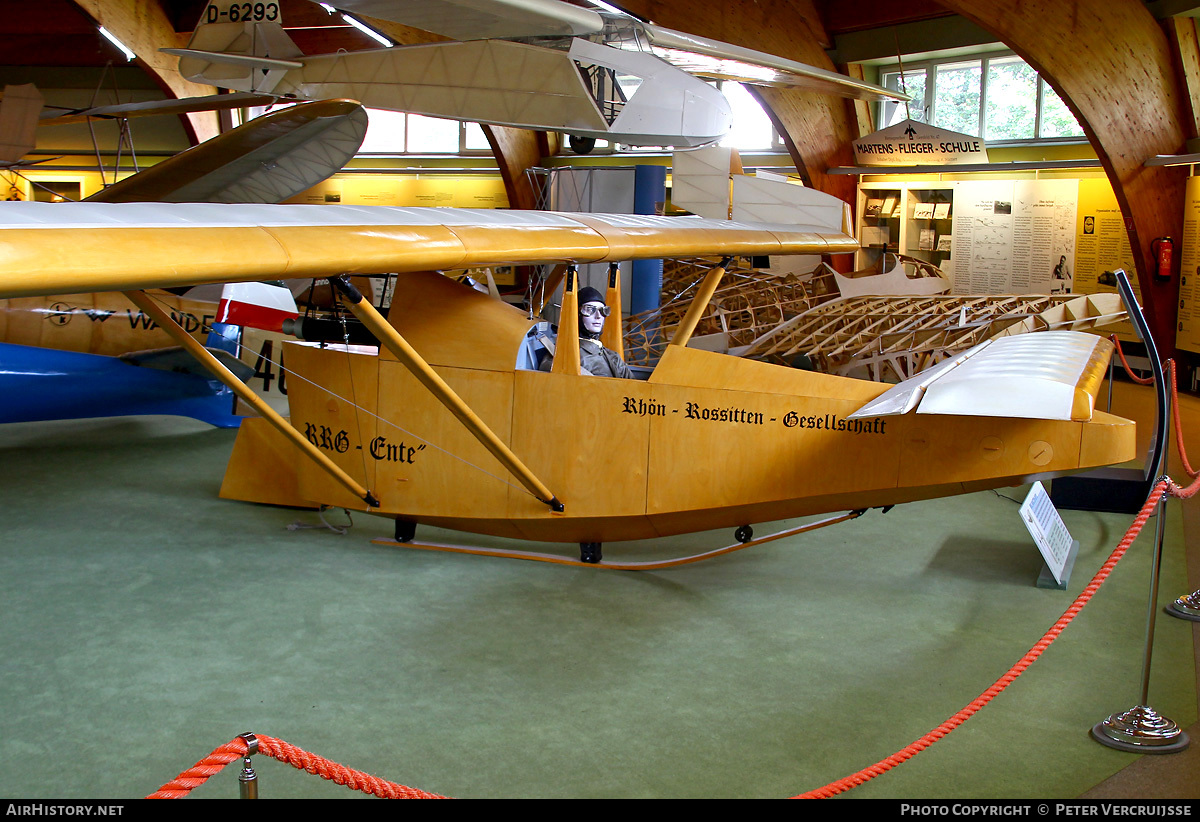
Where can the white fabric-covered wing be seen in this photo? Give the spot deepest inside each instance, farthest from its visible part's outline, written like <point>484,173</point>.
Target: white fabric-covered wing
<point>1052,375</point>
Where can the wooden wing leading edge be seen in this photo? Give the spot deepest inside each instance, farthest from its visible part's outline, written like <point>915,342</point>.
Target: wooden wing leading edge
<point>57,248</point>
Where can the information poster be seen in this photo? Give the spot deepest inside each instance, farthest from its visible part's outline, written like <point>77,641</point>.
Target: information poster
<point>1015,237</point>
<point>982,238</point>
<point>1044,236</point>
<point>1102,246</point>
<point>1188,335</point>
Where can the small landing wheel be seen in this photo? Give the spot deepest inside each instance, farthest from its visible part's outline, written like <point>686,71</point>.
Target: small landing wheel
<point>589,552</point>
<point>744,534</point>
<point>405,530</point>
<point>580,144</point>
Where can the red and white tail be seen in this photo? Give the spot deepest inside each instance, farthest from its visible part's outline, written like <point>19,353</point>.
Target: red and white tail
<point>256,305</point>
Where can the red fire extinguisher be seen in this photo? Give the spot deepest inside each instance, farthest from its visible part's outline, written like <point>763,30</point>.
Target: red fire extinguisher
<point>1163,249</point>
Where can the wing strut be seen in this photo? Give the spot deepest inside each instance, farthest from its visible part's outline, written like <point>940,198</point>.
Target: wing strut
<point>613,335</point>
<point>390,338</point>
<point>189,343</point>
<point>708,287</point>
<point>566,345</point>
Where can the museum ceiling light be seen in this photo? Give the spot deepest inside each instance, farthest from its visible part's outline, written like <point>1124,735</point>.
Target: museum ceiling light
<point>108,35</point>
<point>367,30</point>
<point>1173,160</point>
<point>600,4</point>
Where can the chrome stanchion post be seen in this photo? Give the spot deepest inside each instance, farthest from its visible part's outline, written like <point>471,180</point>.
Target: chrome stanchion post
<point>1141,729</point>
<point>248,779</point>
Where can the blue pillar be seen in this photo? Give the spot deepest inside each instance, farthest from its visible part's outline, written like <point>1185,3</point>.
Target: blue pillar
<point>645,287</point>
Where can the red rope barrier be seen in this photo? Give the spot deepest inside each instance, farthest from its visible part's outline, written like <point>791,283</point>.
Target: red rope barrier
<point>198,774</point>
<point>1128,370</point>
<point>1164,486</point>
<point>885,765</point>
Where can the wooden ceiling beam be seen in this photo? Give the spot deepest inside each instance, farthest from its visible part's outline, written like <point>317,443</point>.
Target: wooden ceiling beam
<point>1113,66</point>
<point>143,26</point>
<point>840,17</point>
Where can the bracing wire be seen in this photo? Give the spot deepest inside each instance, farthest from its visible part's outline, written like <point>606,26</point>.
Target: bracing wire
<point>292,374</point>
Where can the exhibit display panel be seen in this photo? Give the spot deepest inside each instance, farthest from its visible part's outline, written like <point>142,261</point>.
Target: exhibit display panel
<point>1055,235</point>
<point>1187,335</point>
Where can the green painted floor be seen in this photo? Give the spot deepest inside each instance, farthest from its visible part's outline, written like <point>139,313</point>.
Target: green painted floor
<point>147,622</point>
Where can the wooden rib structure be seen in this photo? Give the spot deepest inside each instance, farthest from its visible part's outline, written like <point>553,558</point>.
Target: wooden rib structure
<point>748,304</point>
<point>802,319</point>
<point>894,338</point>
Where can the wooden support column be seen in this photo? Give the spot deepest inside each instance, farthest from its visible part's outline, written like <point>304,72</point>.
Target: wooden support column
<point>1186,49</point>
<point>143,26</point>
<point>1113,66</point>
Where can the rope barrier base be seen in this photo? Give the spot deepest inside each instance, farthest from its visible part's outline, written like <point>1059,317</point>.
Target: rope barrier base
<point>1141,730</point>
<point>248,744</point>
<point>1186,607</point>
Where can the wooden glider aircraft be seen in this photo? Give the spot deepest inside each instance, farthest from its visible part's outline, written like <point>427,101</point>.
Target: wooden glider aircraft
<point>443,424</point>
<point>539,64</point>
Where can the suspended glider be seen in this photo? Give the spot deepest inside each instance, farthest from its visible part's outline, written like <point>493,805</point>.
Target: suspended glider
<point>441,424</point>
<point>539,64</point>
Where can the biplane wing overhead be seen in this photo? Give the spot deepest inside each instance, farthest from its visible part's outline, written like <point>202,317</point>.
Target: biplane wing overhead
<point>266,160</point>
<point>60,116</point>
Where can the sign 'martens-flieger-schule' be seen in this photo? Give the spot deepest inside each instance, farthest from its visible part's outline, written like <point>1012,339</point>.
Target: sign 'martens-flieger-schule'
<point>911,144</point>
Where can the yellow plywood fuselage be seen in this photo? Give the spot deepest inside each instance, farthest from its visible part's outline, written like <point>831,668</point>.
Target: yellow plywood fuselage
<point>709,441</point>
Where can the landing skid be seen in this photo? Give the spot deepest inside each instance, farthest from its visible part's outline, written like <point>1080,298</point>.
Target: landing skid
<point>651,565</point>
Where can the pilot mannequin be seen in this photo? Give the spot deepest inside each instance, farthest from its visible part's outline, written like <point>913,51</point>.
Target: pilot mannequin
<point>595,359</point>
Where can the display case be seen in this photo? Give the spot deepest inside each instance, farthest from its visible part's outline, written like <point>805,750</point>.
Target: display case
<point>906,219</point>
<point>930,214</point>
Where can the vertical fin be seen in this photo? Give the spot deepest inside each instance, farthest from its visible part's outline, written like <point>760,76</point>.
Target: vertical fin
<point>245,30</point>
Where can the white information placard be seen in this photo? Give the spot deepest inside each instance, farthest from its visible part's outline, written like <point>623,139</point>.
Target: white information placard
<point>1047,529</point>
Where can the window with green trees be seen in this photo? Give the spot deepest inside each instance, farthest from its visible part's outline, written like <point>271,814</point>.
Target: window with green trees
<point>996,96</point>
